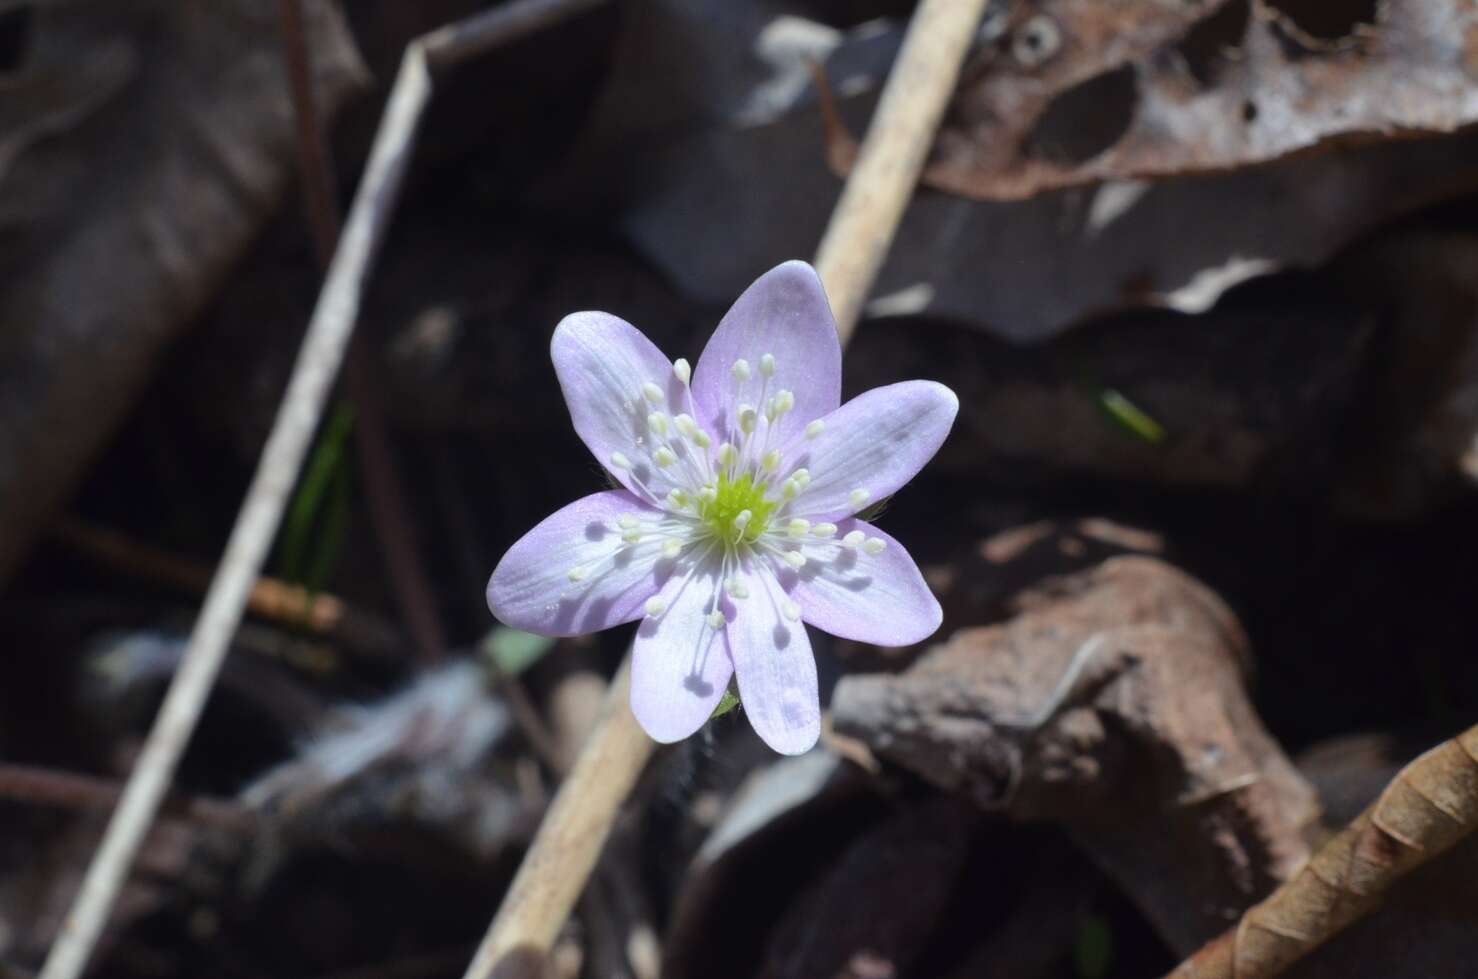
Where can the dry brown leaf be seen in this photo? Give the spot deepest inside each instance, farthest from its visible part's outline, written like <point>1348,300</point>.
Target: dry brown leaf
<point>1075,91</point>
<point>1430,806</point>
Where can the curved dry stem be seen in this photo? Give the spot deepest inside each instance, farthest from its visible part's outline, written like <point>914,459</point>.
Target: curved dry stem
<point>1429,806</point>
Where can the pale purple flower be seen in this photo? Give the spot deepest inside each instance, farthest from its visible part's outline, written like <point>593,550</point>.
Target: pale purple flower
<point>736,525</point>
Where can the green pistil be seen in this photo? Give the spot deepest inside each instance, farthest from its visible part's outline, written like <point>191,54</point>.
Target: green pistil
<point>734,497</point>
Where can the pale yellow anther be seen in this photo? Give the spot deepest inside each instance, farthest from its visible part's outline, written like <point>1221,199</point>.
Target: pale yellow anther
<point>802,477</point>
<point>789,488</point>
<point>619,460</point>
<point>631,536</point>
<point>858,498</point>
<point>771,461</point>
<point>798,527</point>
<point>742,519</point>
<point>681,370</point>
<point>784,401</point>
<point>626,521</point>
<point>815,428</point>
<point>795,559</point>
<point>748,418</point>
<point>767,365</point>
<point>736,588</point>
<point>708,494</point>
<point>874,546</point>
<point>824,530</point>
<point>664,457</point>
<point>657,423</point>
<point>790,610</point>
<point>578,574</point>
<point>854,538</point>
<point>715,619</point>
<point>655,606</point>
<point>740,370</point>
<point>701,440</point>
<point>685,425</point>
<point>672,549</point>
<point>727,455</point>
<point>652,393</point>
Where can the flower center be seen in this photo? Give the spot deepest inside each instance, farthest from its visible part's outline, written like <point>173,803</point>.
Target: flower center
<point>738,512</point>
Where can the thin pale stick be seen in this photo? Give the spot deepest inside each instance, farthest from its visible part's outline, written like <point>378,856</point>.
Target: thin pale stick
<point>570,839</point>
<point>893,153</point>
<point>318,363</point>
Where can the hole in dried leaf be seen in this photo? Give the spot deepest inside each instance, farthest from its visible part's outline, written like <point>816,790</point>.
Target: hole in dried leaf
<point>16,24</point>
<point>1249,111</point>
<point>1328,20</point>
<point>1215,41</point>
<point>1085,120</point>
<point>1036,41</point>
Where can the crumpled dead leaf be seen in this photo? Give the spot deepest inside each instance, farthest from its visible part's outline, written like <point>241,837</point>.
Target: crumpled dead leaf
<point>1113,703</point>
<point>1075,91</point>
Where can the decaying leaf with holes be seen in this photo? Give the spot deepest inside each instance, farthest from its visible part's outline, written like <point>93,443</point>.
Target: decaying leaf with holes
<point>1114,704</point>
<point>1075,91</point>
<point>1431,805</point>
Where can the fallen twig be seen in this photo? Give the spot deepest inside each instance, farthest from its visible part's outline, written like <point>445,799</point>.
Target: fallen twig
<point>893,153</point>
<point>1430,805</point>
<point>570,839</point>
<point>308,389</point>
<point>394,528</point>
<point>71,790</point>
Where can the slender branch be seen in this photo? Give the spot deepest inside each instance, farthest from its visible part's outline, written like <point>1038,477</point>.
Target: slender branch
<point>319,359</point>
<point>1430,805</point>
<point>893,153</point>
<point>70,790</point>
<point>395,530</point>
<point>261,513</point>
<point>569,841</point>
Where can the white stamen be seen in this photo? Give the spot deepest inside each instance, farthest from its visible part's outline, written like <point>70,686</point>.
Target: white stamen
<point>795,559</point>
<point>619,460</point>
<point>824,530</point>
<point>631,536</point>
<point>798,527</point>
<point>715,619</point>
<point>736,588</point>
<point>748,417</point>
<point>653,393</point>
<point>858,498</point>
<point>708,494</point>
<point>626,521</point>
<point>578,574</point>
<point>874,545</point>
<point>655,606</point>
<point>740,370</point>
<point>664,457</point>
<point>701,440</point>
<point>815,428</point>
<point>677,499</point>
<point>789,488</point>
<point>802,477</point>
<point>657,422</point>
<point>727,455</point>
<point>681,370</point>
<point>783,402</point>
<point>685,425</point>
<point>767,365</point>
<point>672,549</point>
<point>854,538</point>
<point>742,519</point>
<point>771,461</point>
<point>790,610</point>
